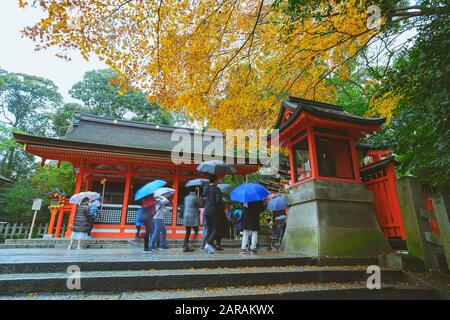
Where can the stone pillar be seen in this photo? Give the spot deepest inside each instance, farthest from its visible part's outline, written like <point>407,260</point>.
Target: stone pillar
<point>415,220</point>
<point>441,205</point>
<point>332,219</point>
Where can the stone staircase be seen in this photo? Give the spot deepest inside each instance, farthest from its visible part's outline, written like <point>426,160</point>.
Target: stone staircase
<point>166,275</point>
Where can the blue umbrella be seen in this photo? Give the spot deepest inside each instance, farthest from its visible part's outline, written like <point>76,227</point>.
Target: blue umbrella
<point>278,203</point>
<point>149,188</point>
<point>249,192</point>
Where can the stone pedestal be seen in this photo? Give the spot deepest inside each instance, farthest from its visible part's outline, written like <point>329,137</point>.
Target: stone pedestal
<point>401,261</point>
<point>332,219</point>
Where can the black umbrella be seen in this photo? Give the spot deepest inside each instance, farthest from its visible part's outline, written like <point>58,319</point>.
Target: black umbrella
<point>216,167</point>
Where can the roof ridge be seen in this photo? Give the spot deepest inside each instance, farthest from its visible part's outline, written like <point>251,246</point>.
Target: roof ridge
<point>316,103</point>
<point>125,122</point>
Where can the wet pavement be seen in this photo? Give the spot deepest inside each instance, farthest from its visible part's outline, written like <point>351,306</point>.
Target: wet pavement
<point>37,255</point>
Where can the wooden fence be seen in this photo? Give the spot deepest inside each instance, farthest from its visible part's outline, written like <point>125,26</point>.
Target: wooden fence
<point>11,230</point>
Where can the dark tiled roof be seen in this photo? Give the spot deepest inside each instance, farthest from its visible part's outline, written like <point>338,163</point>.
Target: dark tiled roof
<point>298,105</point>
<point>373,167</point>
<point>131,134</point>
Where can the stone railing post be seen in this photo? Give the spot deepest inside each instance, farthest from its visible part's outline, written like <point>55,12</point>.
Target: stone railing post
<point>441,205</point>
<point>416,222</point>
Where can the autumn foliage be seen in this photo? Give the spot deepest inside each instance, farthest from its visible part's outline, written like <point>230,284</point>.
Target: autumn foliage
<point>226,64</point>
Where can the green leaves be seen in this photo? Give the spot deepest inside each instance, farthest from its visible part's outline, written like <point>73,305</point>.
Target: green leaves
<point>420,132</point>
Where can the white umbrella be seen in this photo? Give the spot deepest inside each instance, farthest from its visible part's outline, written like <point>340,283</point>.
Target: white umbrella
<point>77,198</point>
<point>163,191</point>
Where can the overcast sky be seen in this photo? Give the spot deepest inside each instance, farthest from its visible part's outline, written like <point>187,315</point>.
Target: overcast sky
<point>17,54</point>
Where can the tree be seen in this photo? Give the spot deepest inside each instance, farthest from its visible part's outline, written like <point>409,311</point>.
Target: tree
<point>419,132</point>
<point>63,116</point>
<point>100,95</point>
<point>227,63</point>
<point>17,198</point>
<point>26,104</point>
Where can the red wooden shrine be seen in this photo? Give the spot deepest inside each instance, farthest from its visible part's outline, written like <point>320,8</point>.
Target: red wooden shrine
<point>117,157</point>
<point>322,141</point>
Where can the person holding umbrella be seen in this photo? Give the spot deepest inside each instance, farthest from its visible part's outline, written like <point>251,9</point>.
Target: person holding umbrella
<point>252,195</point>
<point>81,223</point>
<point>158,219</point>
<point>191,216</point>
<point>277,205</point>
<point>213,200</point>
<point>148,203</point>
<point>213,208</point>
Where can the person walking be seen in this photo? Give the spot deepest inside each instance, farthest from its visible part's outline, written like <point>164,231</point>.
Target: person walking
<point>146,217</point>
<point>204,227</point>
<point>138,224</point>
<point>191,217</point>
<point>250,223</point>
<point>93,214</point>
<point>158,221</point>
<point>229,213</point>
<point>222,226</point>
<point>213,208</point>
<point>81,223</point>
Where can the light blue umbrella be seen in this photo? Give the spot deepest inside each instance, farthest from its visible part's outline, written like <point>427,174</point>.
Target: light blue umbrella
<point>197,183</point>
<point>277,203</point>
<point>148,189</point>
<point>249,192</point>
<point>164,191</point>
<point>225,187</point>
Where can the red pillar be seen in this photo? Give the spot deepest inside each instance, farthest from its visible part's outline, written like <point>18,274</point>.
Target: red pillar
<point>59,223</point>
<point>78,186</point>
<point>395,203</point>
<point>292,164</point>
<point>176,184</point>
<point>89,183</point>
<point>312,153</point>
<point>51,224</point>
<point>355,160</point>
<point>126,195</point>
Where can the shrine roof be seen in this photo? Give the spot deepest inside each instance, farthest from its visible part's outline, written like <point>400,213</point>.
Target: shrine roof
<point>113,137</point>
<point>373,167</point>
<point>126,133</point>
<point>326,110</point>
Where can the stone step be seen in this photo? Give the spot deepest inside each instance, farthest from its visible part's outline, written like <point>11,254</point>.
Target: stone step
<point>108,243</point>
<point>58,260</point>
<point>148,279</point>
<point>303,291</point>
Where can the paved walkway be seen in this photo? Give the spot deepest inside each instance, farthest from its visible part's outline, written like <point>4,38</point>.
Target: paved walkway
<point>124,254</point>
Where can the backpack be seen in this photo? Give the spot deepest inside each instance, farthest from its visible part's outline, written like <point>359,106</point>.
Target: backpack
<point>93,211</point>
<point>147,213</point>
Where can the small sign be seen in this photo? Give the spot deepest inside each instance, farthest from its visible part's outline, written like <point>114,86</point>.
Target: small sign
<point>37,203</point>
